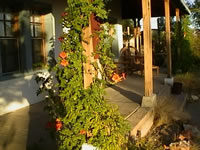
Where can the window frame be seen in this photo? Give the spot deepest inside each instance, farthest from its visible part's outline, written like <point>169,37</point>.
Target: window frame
<point>33,25</point>
<point>4,20</point>
<point>12,21</point>
<point>24,49</point>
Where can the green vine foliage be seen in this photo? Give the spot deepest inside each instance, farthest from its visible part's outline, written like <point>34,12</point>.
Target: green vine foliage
<point>84,113</point>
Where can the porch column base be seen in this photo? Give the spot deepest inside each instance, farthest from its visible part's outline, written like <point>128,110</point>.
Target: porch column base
<point>149,101</point>
<point>169,81</point>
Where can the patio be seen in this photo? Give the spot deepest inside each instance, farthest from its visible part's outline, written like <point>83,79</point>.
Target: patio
<point>25,128</point>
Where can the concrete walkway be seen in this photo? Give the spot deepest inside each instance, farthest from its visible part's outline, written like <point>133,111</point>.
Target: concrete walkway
<point>24,129</point>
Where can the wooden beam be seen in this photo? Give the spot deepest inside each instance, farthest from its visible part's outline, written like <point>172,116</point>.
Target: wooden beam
<point>88,46</point>
<point>168,37</point>
<point>148,80</point>
<point>177,15</point>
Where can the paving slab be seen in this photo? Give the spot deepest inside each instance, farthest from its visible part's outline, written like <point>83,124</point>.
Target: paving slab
<point>24,129</point>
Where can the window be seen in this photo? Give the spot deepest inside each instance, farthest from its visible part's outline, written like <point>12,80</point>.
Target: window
<point>9,51</point>
<point>37,34</point>
<point>22,41</point>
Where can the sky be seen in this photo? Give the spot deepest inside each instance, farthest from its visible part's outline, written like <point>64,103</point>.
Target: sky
<point>154,19</point>
<point>191,1</point>
<point>153,23</point>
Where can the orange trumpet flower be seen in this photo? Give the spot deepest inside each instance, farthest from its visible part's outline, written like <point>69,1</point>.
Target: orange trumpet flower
<point>64,63</point>
<point>63,55</point>
<point>116,78</point>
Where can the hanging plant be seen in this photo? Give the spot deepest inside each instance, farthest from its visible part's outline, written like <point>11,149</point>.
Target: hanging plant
<point>84,115</point>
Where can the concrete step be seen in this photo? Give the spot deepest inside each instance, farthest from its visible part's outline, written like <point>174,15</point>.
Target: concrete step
<point>179,99</point>
<point>141,121</point>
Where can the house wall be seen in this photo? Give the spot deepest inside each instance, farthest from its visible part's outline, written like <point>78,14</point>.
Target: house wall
<point>117,44</point>
<point>19,92</point>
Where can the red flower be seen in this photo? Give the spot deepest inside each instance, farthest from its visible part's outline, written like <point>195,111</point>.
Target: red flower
<point>82,132</point>
<point>49,125</point>
<point>116,78</point>
<point>64,63</point>
<point>64,14</point>
<point>61,39</point>
<point>58,125</point>
<point>63,55</point>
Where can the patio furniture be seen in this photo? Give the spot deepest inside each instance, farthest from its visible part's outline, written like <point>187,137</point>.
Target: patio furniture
<point>138,64</point>
<point>122,66</point>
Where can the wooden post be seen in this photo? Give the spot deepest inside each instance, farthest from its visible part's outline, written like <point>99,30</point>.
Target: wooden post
<point>168,37</point>
<point>137,39</point>
<point>177,15</point>
<point>95,25</point>
<point>128,32</point>
<point>178,26</point>
<point>148,80</point>
<point>88,46</point>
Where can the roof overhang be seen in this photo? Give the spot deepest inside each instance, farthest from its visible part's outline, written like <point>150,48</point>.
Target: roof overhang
<point>17,5</point>
<point>133,8</point>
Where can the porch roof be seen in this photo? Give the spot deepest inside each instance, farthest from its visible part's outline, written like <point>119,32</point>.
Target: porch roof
<point>17,5</point>
<point>133,8</point>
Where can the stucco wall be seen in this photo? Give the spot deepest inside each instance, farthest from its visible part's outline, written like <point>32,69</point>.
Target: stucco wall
<point>20,92</point>
<point>117,44</point>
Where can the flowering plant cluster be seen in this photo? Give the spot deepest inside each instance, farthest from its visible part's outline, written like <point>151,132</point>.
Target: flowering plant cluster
<point>84,115</point>
<point>57,125</point>
<point>63,56</point>
<point>117,78</point>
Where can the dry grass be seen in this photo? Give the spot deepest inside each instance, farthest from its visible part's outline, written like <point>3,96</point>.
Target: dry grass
<point>167,111</point>
<point>190,81</point>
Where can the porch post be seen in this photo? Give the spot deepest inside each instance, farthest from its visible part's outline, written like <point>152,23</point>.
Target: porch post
<point>177,15</point>
<point>168,37</point>
<point>148,80</point>
<point>88,46</point>
<point>178,25</point>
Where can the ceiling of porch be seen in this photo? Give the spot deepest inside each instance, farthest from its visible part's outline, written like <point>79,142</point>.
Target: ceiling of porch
<point>133,8</point>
